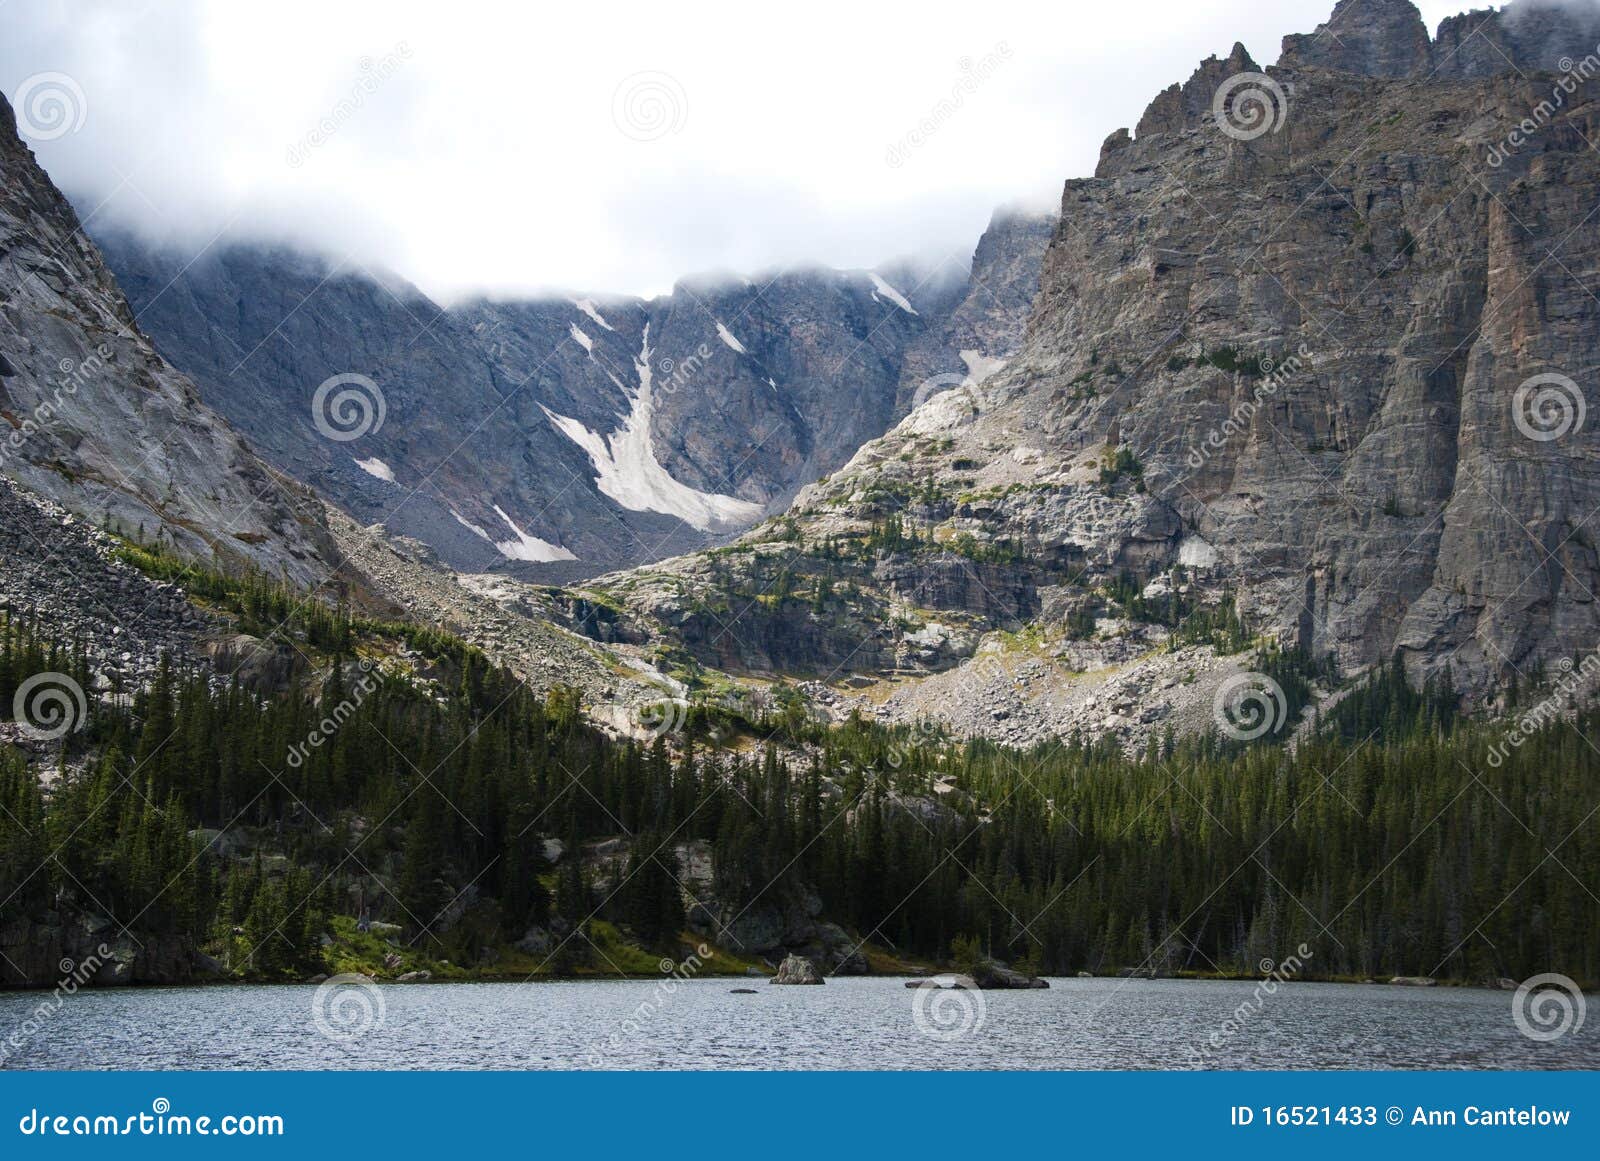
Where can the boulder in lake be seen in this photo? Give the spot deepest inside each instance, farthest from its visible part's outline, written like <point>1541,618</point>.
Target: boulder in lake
<point>992,975</point>
<point>421,977</point>
<point>796,969</point>
<point>1413,981</point>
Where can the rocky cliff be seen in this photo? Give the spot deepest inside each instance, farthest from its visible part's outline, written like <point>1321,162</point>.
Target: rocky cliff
<point>1316,343</point>
<point>96,420</point>
<point>562,436</point>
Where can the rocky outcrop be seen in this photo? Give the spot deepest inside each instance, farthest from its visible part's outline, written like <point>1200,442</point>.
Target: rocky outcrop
<point>94,419</point>
<point>992,975</point>
<point>559,437</point>
<point>797,970</point>
<point>1376,38</point>
<point>1325,345</point>
<point>61,573</point>
<point>70,949</point>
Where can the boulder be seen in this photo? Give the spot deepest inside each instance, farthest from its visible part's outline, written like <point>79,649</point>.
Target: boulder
<point>992,975</point>
<point>418,977</point>
<point>944,982</point>
<point>797,969</point>
<point>1413,981</point>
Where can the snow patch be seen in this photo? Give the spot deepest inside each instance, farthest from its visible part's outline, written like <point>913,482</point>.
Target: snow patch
<point>727,337</point>
<point>628,471</point>
<point>890,293</point>
<point>1196,552</point>
<point>376,467</point>
<point>581,339</point>
<point>587,306</point>
<point>526,547</point>
<point>980,366</point>
<point>470,526</point>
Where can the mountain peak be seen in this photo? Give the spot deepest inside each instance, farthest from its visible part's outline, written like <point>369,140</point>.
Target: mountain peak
<point>1375,38</point>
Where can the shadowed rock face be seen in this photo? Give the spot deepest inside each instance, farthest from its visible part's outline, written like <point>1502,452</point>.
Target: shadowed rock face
<point>1386,38</point>
<point>609,430</point>
<point>97,421</point>
<point>1381,494</point>
<point>1289,355</point>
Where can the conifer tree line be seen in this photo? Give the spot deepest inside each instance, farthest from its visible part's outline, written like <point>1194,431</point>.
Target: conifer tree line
<point>1386,842</point>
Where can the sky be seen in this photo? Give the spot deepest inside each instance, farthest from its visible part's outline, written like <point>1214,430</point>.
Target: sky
<point>509,149</point>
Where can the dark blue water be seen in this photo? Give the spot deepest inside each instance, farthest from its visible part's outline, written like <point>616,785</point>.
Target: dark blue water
<point>848,1023</point>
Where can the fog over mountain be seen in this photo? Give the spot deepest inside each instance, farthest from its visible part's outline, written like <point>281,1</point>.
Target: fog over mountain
<point>557,154</point>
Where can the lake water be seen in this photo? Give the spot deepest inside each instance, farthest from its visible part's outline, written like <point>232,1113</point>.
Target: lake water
<point>848,1023</point>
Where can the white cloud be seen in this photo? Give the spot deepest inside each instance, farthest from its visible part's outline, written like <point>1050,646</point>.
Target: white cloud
<point>492,159</point>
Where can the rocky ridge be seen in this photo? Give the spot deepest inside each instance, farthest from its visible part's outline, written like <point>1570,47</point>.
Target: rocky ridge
<point>97,421</point>
<point>1274,363</point>
<point>558,437</point>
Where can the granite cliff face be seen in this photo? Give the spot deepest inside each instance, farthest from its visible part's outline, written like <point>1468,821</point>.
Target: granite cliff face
<point>575,434</point>
<point>1317,341</point>
<point>97,421</point>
